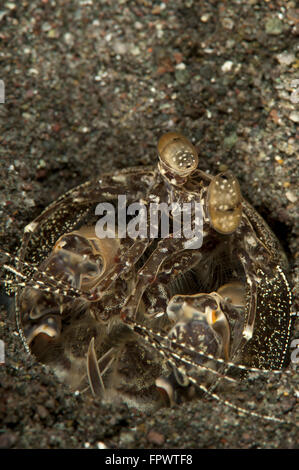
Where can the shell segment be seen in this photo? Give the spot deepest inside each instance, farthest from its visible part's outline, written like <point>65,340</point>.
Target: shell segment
<point>200,322</point>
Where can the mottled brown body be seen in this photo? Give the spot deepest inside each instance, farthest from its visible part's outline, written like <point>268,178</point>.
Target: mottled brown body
<point>149,320</point>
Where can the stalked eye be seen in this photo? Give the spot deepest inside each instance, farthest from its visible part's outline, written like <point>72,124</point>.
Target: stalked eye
<point>177,154</point>
<point>224,203</point>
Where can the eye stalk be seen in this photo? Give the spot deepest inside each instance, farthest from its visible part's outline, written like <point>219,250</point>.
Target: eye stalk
<point>177,155</point>
<point>225,203</point>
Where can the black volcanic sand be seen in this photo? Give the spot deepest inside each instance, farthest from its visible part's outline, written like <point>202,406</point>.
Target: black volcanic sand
<point>89,88</point>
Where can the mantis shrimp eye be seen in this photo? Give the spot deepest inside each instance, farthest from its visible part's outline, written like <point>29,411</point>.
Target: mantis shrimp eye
<point>225,203</point>
<point>177,154</point>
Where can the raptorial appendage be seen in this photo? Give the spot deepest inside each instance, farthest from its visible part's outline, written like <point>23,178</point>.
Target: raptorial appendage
<point>153,320</point>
